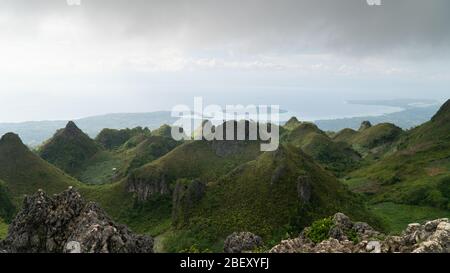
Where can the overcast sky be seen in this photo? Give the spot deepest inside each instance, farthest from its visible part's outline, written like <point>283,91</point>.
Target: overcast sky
<point>59,61</point>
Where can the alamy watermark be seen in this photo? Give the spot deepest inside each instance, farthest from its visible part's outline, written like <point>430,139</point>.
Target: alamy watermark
<point>73,2</point>
<point>373,2</point>
<point>235,122</point>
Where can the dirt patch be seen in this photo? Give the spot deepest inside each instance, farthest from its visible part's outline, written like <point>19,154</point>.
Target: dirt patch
<point>433,171</point>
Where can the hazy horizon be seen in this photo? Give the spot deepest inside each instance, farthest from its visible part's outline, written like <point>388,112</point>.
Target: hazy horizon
<point>66,62</point>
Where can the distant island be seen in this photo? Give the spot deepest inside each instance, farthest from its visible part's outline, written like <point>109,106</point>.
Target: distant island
<point>33,133</point>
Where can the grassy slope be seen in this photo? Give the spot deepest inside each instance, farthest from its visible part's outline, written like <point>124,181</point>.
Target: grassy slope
<point>3,229</point>
<point>69,149</point>
<point>345,135</point>
<point>198,159</point>
<point>337,157</point>
<point>24,172</point>
<point>104,167</point>
<point>373,142</point>
<point>396,217</point>
<point>249,198</point>
<point>7,208</point>
<point>417,174</point>
<point>377,135</point>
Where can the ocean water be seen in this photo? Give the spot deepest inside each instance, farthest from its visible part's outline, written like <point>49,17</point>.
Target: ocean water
<point>307,112</point>
<point>338,110</point>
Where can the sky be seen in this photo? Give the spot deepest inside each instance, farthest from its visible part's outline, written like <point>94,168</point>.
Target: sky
<point>61,61</point>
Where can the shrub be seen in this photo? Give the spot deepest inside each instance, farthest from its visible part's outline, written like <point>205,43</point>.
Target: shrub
<point>319,230</point>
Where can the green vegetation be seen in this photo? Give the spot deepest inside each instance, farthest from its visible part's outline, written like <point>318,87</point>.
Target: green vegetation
<point>319,230</point>
<point>6,206</point>
<point>292,123</point>
<point>69,149</point>
<point>345,135</point>
<point>151,148</point>
<point>191,195</point>
<point>3,229</point>
<point>261,196</point>
<point>397,216</point>
<point>199,159</point>
<point>113,138</point>
<point>104,167</point>
<point>416,173</point>
<point>125,150</point>
<point>24,172</point>
<point>380,134</point>
<point>337,157</point>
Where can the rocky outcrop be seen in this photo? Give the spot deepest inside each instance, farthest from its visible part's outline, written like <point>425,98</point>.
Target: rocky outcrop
<point>69,149</point>
<point>240,242</point>
<point>146,185</point>
<point>365,125</point>
<point>68,224</point>
<point>292,123</point>
<point>185,196</point>
<point>304,188</point>
<point>346,236</point>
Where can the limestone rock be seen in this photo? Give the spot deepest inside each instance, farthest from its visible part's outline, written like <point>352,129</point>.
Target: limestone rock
<point>240,242</point>
<point>365,125</point>
<point>304,188</point>
<point>431,237</point>
<point>66,223</point>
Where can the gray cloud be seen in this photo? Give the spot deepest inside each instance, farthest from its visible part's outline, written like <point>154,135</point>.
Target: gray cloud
<point>319,26</point>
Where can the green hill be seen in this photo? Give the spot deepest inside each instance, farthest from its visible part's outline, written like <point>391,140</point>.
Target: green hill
<point>151,148</point>
<point>276,193</point>
<point>24,172</point>
<point>69,149</point>
<point>372,142</point>
<point>292,123</point>
<point>194,159</point>
<point>138,147</point>
<point>337,157</point>
<point>417,173</point>
<point>163,131</point>
<point>345,135</point>
<point>114,138</point>
<point>378,135</point>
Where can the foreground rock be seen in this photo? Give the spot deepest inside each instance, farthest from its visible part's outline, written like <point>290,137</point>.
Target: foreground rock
<point>68,224</point>
<point>241,242</point>
<point>345,236</point>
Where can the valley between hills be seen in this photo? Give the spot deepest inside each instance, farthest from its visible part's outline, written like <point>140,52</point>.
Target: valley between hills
<point>191,195</point>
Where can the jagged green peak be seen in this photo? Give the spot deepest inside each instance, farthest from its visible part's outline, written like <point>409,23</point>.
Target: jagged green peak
<point>11,138</point>
<point>365,125</point>
<point>443,113</point>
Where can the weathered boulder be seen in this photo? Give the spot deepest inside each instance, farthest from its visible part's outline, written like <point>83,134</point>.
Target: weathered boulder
<point>68,224</point>
<point>431,237</point>
<point>240,242</point>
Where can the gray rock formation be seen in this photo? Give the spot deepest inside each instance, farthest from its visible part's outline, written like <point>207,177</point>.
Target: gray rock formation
<point>185,196</point>
<point>146,186</point>
<point>365,125</point>
<point>68,224</point>
<point>304,188</point>
<point>241,242</point>
<point>431,237</point>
